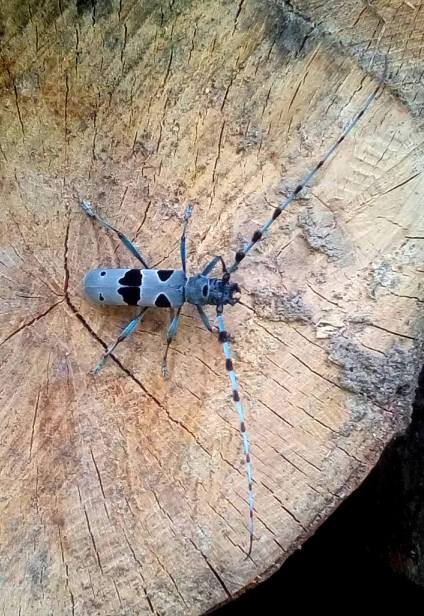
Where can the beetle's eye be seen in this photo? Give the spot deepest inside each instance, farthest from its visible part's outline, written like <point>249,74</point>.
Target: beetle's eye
<point>205,290</point>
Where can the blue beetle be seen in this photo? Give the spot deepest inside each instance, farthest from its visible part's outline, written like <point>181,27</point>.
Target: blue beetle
<point>147,288</point>
<point>150,288</point>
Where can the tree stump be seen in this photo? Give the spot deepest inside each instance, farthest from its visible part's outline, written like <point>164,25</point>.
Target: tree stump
<point>125,493</point>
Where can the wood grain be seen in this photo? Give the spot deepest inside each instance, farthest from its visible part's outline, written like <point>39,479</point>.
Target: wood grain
<point>126,494</point>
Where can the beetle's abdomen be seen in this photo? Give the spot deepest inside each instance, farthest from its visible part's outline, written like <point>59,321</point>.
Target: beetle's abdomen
<point>135,287</point>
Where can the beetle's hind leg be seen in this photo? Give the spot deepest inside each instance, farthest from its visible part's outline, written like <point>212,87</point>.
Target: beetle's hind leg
<point>127,331</point>
<point>88,209</point>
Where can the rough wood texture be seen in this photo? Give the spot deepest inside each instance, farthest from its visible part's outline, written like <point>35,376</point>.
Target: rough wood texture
<point>126,494</point>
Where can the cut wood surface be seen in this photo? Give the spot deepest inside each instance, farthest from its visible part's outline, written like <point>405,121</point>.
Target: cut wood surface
<point>125,493</point>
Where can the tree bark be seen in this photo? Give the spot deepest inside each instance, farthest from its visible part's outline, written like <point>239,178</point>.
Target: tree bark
<point>125,493</point>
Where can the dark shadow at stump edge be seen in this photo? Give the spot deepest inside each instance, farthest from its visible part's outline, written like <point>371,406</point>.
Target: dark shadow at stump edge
<point>369,552</point>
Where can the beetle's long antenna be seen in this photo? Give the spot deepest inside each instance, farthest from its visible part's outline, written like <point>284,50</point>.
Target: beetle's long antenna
<point>223,338</point>
<point>258,234</point>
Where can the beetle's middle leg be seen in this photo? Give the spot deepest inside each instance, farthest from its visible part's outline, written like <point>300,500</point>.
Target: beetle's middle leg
<point>127,331</point>
<point>170,335</point>
<point>88,209</point>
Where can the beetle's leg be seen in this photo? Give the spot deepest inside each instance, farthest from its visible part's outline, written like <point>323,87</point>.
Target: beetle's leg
<point>170,335</point>
<point>88,209</point>
<point>205,319</point>
<point>127,331</point>
<point>212,264</point>
<point>187,216</point>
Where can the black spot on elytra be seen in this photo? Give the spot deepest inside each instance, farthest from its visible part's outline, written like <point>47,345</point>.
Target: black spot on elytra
<point>162,301</point>
<point>102,273</point>
<point>131,295</point>
<point>131,278</point>
<point>101,298</point>
<point>165,274</point>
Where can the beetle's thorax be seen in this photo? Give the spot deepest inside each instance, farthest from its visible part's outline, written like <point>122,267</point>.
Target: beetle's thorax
<point>202,290</point>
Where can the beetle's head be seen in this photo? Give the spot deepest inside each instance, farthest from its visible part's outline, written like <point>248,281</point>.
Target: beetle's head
<point>202,290</point>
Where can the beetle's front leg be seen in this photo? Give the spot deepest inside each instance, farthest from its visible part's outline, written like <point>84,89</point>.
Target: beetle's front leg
<point>212,264</point>
<point>205,320</point>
